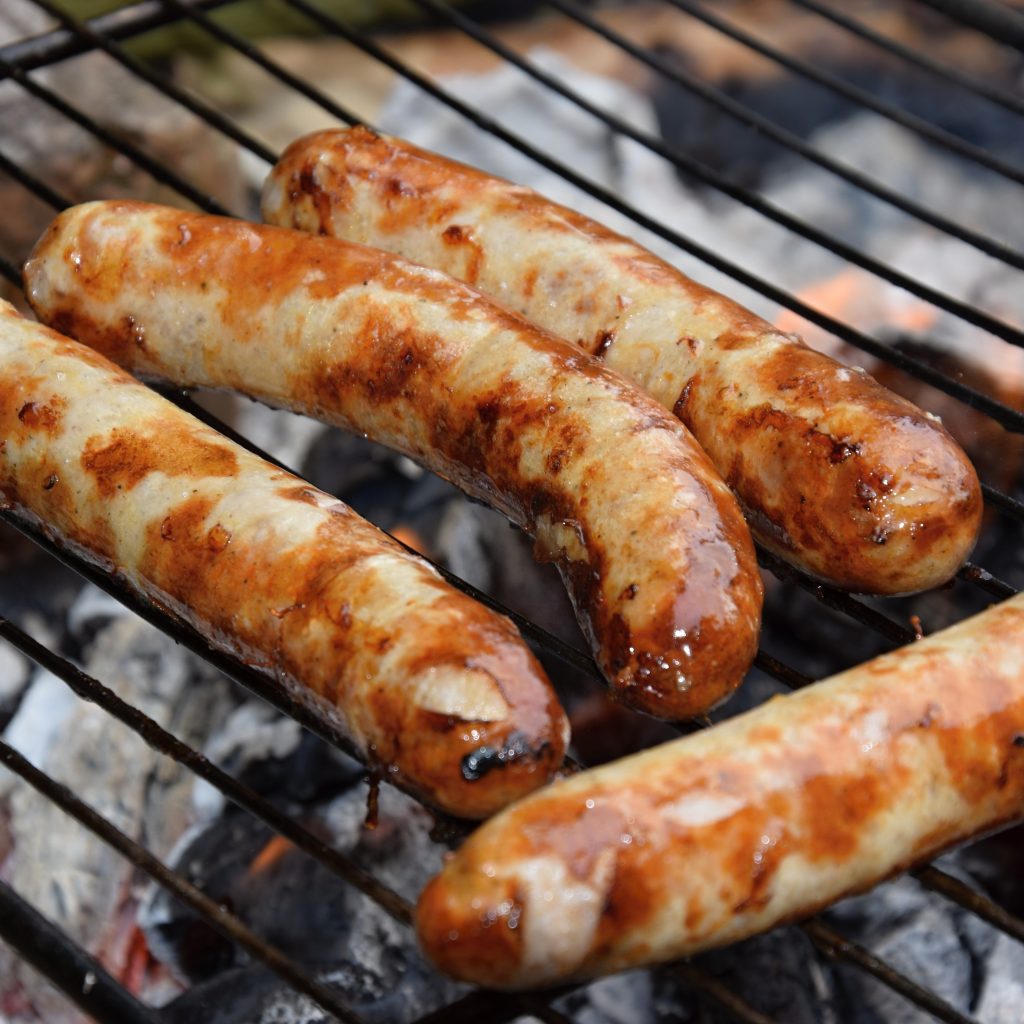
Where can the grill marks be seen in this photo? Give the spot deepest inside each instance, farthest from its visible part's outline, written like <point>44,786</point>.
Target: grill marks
<point>430,367</point>
<point>274,572</point>
<point>721,368</point>
<point>854,467</point>
<point>761,819</point>
<point>123,458</point>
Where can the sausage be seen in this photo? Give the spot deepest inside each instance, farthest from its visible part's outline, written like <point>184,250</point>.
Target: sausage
<point>836,474</point>
<point>651,543</point>
<point>432,688</point>
<point>763,819</point>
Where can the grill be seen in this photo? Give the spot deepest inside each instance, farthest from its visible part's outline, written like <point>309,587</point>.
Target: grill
<point>53,952</point>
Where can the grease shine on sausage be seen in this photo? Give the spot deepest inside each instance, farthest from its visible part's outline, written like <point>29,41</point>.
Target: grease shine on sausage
<point>421,677</point>
<point>766,818</point>
<point>651,543</point>
<point>837,474</point>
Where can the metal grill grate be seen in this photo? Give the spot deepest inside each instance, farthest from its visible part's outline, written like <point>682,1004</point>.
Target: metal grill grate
<point>55,953</point>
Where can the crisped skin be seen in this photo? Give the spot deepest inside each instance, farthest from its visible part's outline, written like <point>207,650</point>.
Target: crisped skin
<point>766,818</point>
<point>423,679</point>
<point>836,474</point>
<point>650,542</point>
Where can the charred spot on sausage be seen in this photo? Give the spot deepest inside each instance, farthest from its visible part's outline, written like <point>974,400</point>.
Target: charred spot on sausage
<point>480,762</point>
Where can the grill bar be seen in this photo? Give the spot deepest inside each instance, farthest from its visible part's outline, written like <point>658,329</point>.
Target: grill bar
<point>970,899</point>
<point>1010,418</point>
<point>56,956</point>
<point>10,271</point>
<point>996,20</point>
<point>1004,502</point>
<point>785,138</point>
<point>33,184</point>
<point>162,83</point>
<point>839,947</point>
<point>986,581</point>
<point>918,125</point>
<point>257,56</point>
<point>833,945</point>
<point>719,993</point>
<point>223,920</point>
<point>726,186</point>
<point>947,72</point>
<point>92,690</point>
<point>125,23</point>
<point>153,167</point>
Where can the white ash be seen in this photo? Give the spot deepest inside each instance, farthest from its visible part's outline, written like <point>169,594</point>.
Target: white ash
<point>253,731</point>
<point>63,870</point>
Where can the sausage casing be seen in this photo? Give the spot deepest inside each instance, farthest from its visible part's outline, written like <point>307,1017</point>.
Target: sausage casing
<point>423,679</point>
<point>651,543</point>
<point>765,818</point>
<point>837,474</point>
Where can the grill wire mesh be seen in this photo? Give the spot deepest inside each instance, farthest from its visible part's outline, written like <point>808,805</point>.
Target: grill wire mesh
<point>53,952</point>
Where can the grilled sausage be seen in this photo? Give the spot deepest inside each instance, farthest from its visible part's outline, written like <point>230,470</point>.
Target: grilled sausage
<point>766,818</point>
<point>650,542</point>
<point>430,686</point>
<point>836,474</point>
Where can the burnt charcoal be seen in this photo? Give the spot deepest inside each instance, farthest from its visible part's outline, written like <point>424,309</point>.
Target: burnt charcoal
<point>631,998</point>
<point>239,863</point>
<point>918,934</point>
<point>291,900</point>
<point>253,995</point>
<point>778,974</point>
<point>373,480</point>
<point>997,866</point>
<point>1002,991</point>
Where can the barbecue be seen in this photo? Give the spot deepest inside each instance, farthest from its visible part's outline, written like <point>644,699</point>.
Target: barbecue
<point>811,629</point>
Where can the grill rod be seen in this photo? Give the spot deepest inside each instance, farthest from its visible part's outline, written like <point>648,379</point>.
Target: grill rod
<point>727,186</point>
<point>54,955</point>
<point>153,167</point>
<point>218,916</point>
<point>721,100</point>
<point>58,44</point>
<point>978,86</point>
<point>918,125</point>
<point>90,689</point>
<point>996,20</point>
<point>1010,418</point>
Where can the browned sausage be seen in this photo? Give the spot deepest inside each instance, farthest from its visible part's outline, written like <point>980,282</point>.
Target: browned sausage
<point>766,818</point>
<point>836,474</point>
<point>425,681</point>
<point>650,542</point>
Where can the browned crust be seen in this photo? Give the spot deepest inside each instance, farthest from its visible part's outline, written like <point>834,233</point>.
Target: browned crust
<point>432,368</point>
<point>309,610</point>
<point>820,795</point>
<point>825,490</point>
